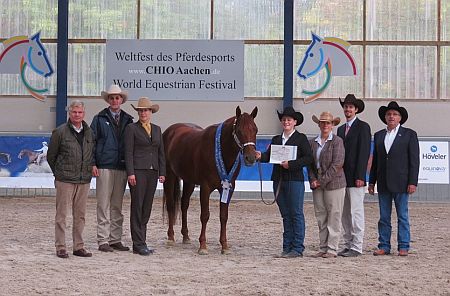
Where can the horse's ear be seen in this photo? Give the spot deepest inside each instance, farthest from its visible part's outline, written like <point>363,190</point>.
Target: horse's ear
<point>36,36</point>
<point>315,37</point>
<point>238,112</point>
<point>254,112</point>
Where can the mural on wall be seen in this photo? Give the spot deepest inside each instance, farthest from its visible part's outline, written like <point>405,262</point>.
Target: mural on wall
<point>20,53</point>
<point>331,53</point>
<point>24,156</point>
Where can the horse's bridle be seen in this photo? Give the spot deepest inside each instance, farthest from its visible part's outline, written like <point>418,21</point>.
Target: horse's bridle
<point>236,139</point>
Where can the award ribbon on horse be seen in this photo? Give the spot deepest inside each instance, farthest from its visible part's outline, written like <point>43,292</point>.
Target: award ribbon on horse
<point>227,187</point>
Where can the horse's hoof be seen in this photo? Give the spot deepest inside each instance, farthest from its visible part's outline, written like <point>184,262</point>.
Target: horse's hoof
<point>225,251</point>
<point>170,243</point>
<point>203,251</point>
<point>186,241</point>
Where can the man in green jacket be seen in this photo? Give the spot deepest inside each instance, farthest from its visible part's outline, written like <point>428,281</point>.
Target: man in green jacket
<point>70,157</point>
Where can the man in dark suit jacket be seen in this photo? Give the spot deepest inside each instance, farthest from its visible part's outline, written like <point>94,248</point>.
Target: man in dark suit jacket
<point>395,169</point>
<point>145,164</point>
<point>357,138</point>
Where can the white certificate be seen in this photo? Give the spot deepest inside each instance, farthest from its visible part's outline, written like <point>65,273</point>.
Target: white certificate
<point>280,153</point>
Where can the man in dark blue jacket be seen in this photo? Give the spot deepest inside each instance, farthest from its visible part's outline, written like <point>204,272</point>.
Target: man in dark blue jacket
<point>395,170</point>
<point>109,168</point>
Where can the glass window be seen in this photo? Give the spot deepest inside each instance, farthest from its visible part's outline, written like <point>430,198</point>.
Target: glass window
<point>263,71</point>
<point>445,72</point>
<point>401,20</point>
<point>445,20</point>
<point>102,19</point>
<point>401,72</point>
<point>249,19</point>
<point>21,17</point>
<point>170,19</point>
<point>328,18</point>
<point>86,69</point>
<point>339,85</point>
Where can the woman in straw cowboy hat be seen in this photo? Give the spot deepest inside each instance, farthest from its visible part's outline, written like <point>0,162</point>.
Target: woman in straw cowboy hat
<point>288,181</point>
<point>145,164</point>
<point>327,180</point>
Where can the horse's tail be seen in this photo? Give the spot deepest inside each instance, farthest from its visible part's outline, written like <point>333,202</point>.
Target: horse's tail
<point>171,202</point>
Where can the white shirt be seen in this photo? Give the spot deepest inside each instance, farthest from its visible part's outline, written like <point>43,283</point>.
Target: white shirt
<point>284,138</point>
<point>78,130</point>
<point>350,122</point>
<point>390,137</point>
<point>319,149</point>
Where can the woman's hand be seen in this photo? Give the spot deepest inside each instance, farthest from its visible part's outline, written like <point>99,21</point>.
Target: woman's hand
<point>132,180</point>
<point>162,179</point>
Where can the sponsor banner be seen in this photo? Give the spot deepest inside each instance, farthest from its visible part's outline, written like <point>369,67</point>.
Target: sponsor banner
<point>210,70</point>
<point>433,163</point>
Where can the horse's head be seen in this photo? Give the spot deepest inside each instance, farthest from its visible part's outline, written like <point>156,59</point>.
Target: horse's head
<point>244,132</point>
<point>314,59</point>
<point>22,153</point>
<point>37,56</point>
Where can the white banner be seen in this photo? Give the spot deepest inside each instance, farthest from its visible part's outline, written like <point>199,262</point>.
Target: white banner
<point>177,69</point>
<point>433,163</point>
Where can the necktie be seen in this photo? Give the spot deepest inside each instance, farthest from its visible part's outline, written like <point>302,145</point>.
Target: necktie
<point>347,128</point>
<point>117,118</point>
<point>147,127</point>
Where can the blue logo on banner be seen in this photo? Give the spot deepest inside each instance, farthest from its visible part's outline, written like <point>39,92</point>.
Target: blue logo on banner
<point>433,148</point>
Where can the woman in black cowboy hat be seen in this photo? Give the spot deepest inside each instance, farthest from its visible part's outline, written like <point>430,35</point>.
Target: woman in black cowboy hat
<point>288,181</point>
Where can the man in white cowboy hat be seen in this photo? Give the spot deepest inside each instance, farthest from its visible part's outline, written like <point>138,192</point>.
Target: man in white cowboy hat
<point>145,164</point>
<point>395,170</point>
<point>109,168</point>
<point>357,139</point>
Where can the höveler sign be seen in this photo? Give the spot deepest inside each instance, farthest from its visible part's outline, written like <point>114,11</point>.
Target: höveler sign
<point>177,69</point>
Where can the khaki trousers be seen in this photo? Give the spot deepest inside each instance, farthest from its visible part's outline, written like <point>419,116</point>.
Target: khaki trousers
<point>353,219</point>
<point>76,195</point>
<point>109,190</point>
<point>328,209</point>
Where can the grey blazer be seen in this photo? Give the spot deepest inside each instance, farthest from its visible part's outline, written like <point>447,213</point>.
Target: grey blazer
<point>331,161</point>
<point>143,152</point>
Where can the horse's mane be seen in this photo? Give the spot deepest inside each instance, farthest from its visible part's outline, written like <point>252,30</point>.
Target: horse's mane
<point>339,41</point>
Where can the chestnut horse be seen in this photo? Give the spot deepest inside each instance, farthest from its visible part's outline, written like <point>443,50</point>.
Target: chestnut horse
<point>191,156</point>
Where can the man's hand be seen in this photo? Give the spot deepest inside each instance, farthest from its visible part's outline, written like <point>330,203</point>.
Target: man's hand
<point>371,189</point>
<point>359,183</point>
<point>95,171</point>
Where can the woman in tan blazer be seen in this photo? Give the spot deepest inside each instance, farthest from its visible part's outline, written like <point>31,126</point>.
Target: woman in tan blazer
<point>145,164</point>
<point>327,180</point>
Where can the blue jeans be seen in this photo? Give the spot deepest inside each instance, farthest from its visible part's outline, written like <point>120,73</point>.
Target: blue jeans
<point>290,202</point>
<point>384,224</point>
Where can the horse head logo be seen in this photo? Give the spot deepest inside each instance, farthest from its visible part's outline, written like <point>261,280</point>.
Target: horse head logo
<point>20,53</point>
<point>331,53</point>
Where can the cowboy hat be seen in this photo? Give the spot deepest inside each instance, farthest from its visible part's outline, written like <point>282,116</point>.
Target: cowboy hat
<point>351,99</point>
<point>114,90</point>
<point>145,103</point>
<point>393,106</point>
<point>327,117</point>
<point>289,111</point>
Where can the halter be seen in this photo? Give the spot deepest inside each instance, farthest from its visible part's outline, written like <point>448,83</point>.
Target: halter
<point>236,139</point>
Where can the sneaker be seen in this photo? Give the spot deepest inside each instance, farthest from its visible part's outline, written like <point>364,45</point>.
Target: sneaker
<point>351,253</point>
<point>341,253</point>
<point>105,248</point>
<point>119,247</point>
<point>293,254</point>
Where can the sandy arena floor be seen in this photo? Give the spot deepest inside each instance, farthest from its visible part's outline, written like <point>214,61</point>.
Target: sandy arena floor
<point>28,265</point>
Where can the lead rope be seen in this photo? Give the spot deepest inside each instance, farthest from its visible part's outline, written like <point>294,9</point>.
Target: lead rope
<point>261,187</point>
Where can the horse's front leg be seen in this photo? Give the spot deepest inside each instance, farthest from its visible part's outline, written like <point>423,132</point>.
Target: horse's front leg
<point>204,217</point>
<point>223,228</point>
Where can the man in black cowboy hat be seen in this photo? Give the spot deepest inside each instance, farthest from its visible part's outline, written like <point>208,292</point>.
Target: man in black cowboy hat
<point>357,137</point>
<point>395,170</point>
<point>288,182</point>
